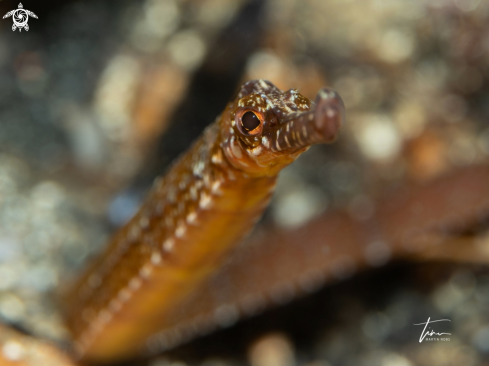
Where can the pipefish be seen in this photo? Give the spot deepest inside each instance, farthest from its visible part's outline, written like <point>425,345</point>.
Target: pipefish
<point>193,217</point>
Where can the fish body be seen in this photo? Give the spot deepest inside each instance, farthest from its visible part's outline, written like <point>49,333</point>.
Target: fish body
<point>208,200</point>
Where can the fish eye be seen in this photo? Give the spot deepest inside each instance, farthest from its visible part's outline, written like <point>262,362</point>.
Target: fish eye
<point>249,122</point>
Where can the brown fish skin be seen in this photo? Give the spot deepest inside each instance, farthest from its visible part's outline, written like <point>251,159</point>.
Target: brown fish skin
<point>193,216</point>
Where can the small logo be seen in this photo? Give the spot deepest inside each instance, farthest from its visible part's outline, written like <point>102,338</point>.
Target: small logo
<point>430,333</point>
<point>20,17</point>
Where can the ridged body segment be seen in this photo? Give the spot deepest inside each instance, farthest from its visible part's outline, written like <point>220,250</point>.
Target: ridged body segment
<point>191,217</point>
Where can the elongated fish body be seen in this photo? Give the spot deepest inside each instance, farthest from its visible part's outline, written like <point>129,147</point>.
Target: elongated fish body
<point>193,216</point>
